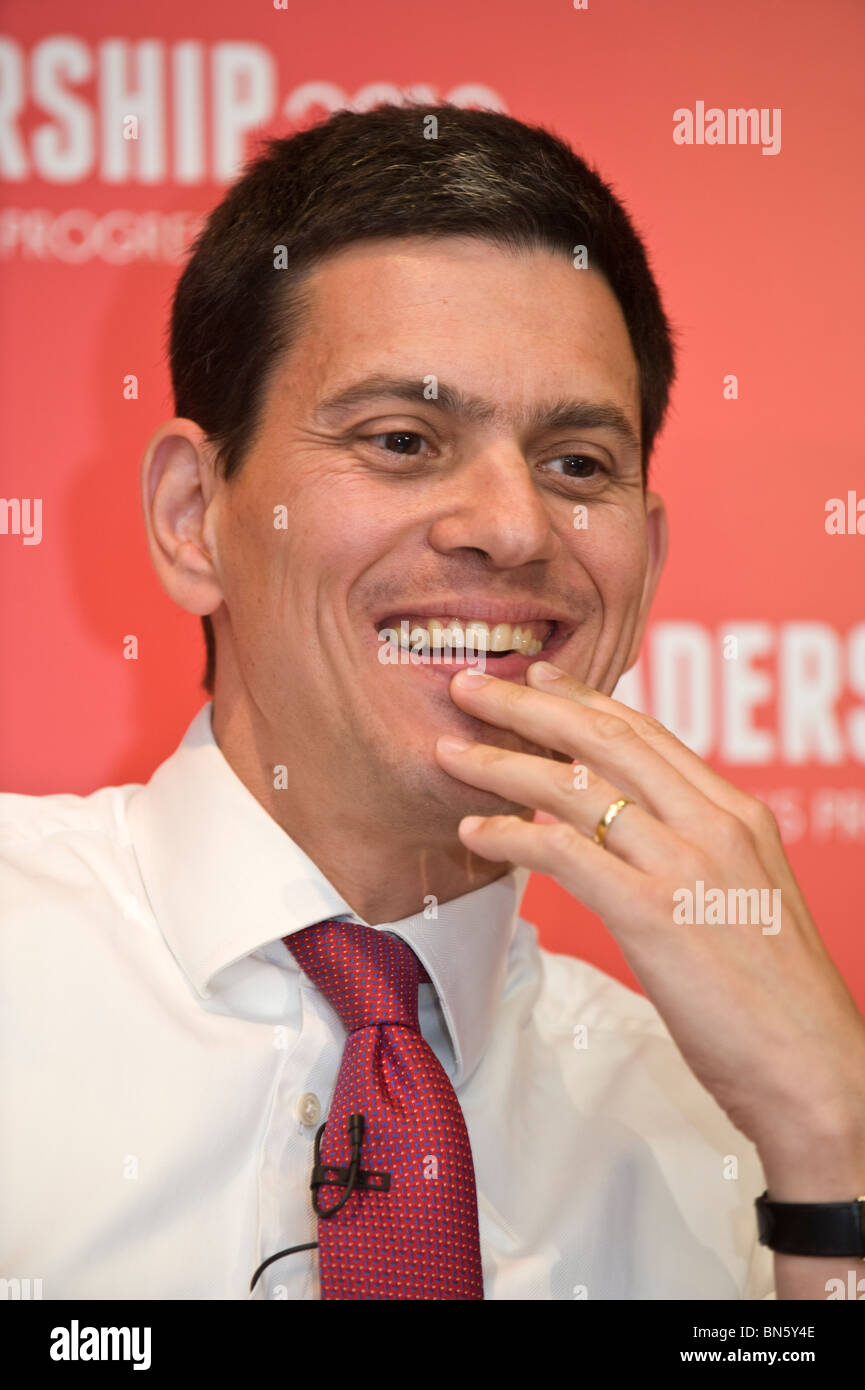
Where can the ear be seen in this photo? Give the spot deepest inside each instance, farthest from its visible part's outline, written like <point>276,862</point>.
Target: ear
<point>656,541</point>
<point>178,494</point>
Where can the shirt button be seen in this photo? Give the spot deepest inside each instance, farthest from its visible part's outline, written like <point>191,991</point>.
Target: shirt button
<point>309,1109</point>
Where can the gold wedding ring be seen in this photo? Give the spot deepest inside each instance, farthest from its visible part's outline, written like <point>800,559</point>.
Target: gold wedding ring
<point>609,816</point>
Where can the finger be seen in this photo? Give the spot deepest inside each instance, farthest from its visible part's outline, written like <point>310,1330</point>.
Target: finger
<point>753,813</point>
<point>654,733</point>
<point>575,796</point>
<point>606,884</point>
<point>605,743</point>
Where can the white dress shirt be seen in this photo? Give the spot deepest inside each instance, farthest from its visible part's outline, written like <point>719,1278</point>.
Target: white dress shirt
<point>165,1065</point>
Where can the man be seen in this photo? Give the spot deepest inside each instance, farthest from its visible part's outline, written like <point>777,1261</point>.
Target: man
<point>419,364</point>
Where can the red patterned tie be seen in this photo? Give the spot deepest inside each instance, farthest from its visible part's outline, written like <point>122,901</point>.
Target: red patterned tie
<point>419,1239</point>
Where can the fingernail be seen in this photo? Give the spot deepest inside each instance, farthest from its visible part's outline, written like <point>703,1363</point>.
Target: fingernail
<point>470,678</point>
<point>547,671</point>
<point>470,822</point>
<point>452,745</point>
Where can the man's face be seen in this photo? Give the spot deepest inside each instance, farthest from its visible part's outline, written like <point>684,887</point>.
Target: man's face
<point>460,505</point>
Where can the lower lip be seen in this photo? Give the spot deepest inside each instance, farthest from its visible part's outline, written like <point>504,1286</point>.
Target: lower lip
<point>512,667</point>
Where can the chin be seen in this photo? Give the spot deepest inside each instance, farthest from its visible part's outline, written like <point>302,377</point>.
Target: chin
<point>470,801</point>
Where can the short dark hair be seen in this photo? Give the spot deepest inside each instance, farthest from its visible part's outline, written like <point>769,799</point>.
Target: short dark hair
<point>379,174</point>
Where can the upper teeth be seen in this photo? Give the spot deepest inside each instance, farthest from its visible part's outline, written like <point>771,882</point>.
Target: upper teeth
<point>527,638</point>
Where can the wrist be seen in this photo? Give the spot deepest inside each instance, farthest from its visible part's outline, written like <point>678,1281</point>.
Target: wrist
<point>816,1165</point>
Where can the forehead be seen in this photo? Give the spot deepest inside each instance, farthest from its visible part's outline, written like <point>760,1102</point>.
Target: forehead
<point>509,327</point>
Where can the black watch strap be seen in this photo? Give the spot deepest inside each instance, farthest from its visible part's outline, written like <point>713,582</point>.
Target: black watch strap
<point>812,1228</point>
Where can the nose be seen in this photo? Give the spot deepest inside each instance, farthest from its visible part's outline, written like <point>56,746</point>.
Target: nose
<point>494,506</point>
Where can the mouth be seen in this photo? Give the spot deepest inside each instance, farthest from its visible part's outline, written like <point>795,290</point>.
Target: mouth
<point>506,644</point>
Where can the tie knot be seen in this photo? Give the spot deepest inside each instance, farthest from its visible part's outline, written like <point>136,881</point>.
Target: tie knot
<point>368,976</point>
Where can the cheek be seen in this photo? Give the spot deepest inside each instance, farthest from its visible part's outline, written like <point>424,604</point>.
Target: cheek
<point>288,547</point>
<point>328,548</point>
<point>341,520</point>
<point>250,535</point>
<point>613,552</point>
<point>253,549</point>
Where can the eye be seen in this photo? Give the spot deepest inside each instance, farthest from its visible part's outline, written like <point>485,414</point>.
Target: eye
<point>580,466</point>
<point>403,442</point>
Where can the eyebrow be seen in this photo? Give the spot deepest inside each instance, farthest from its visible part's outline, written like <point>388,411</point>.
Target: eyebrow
<point>558,414</point>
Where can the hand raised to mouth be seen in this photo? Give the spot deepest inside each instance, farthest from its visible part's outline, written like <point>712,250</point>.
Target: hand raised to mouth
<point>635,823</point>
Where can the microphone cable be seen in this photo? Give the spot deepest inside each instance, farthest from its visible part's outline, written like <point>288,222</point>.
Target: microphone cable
<point>356,1128</point>
<point>292,1250</point>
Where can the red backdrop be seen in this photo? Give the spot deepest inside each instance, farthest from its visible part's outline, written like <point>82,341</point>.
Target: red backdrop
<point>757,245</point>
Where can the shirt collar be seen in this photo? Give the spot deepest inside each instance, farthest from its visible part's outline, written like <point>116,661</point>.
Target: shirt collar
<point>224,880</point>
